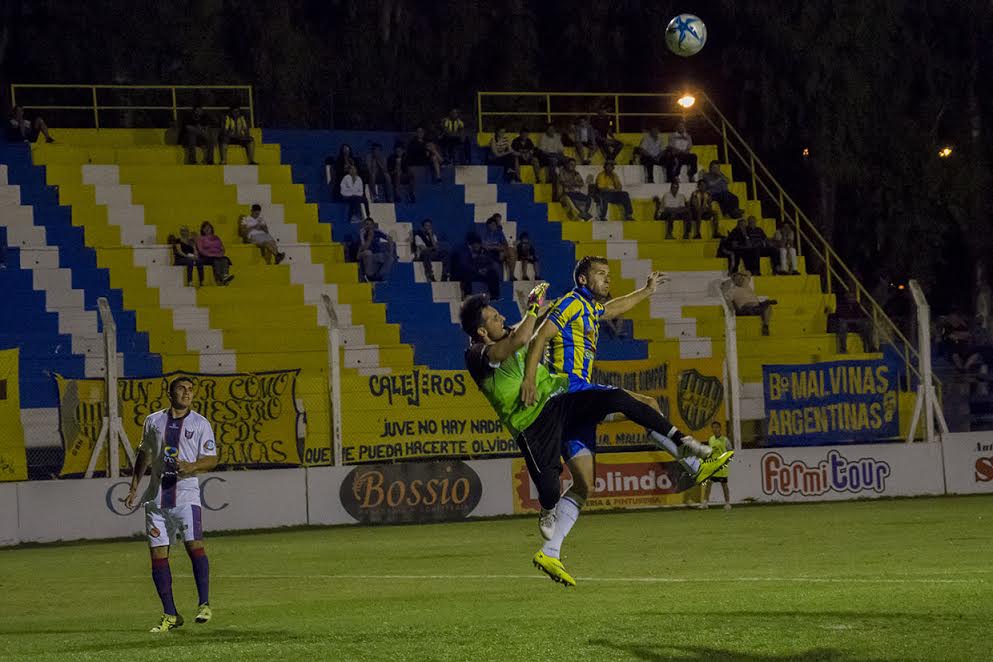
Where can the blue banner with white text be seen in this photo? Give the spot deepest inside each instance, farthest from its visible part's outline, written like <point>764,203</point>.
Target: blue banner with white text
<point>822,403</point>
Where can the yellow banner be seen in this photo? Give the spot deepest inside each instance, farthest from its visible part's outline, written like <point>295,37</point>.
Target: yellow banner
<point>13,462</point>
<point>254,416</point>
<point>623,480</point>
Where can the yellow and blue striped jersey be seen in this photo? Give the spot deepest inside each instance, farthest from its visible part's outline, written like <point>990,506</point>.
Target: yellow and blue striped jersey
<point>572,351</point>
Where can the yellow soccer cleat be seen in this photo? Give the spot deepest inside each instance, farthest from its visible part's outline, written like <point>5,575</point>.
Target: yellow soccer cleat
<point>553,568</point>
<point>169,622</point>
<point>204,613</point>
<point>711,465</point>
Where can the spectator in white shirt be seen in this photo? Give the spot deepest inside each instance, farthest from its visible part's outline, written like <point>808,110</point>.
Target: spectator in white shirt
<point>650,152</point>
<point>671,206</point>
<point>353,193</point>
<point>253,230</point>
<point>745,302</point>
<point>678,154</point>
<point>551,156</point>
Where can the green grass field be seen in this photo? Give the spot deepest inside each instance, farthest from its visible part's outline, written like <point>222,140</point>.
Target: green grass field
<point>891,580</point>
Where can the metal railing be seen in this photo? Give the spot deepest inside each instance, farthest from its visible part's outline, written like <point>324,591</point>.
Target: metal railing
<point>92,94</point>
<point>762,185</point>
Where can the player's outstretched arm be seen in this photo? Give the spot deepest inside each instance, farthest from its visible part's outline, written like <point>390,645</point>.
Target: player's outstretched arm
<point>519,337</point>
<point>536,350</point>
<point>620,305</point>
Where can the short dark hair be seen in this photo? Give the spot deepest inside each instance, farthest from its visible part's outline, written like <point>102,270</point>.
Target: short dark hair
<point>471,314</point>
<point>584,265</point>
<point>256,206</point>
<point>426,220</point>
<point>472,238</point>
<point>523,235</point>
<point>206,224</point>
<point>177,381</point>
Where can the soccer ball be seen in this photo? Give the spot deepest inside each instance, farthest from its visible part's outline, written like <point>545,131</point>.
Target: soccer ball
<point>685,35</point>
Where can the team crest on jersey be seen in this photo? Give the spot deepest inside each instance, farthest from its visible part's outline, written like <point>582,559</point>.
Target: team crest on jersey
<point>189,434</point>
<point>209,445</point>
<point>153,531</point>
<point>698,398</point>
<point>171,451</point>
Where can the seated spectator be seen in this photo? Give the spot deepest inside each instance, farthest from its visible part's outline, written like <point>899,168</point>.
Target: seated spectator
<point>421,152</point>
<point>502,154</point>
<point>784,242</point>
<point>702,208</point>
<point>849,316</point>
<point>454,139</point>
<point>400,175</point>
<point>955,341</point>
<point>673,205</point>
<point>572,187</point>
<point>650,152</point>
<point>428,249</point>
<point>759,240</point>
<point>526,153</point>
<point>379,174</point>
<point>353,193</point>
<point>551,155</point>
<point>377,252</point>
<point>527,254</point>
<point>717,186</point>
<point>21,129</point>
<point>210,248</point>
<point>582,138</point>
<point>198,129</point>
<point>678,154</point>
<point>253,230</point>
<point>742,250</point>
<point>184,254</point>
<point>235,131</point>
<point>610,190</point>
<point>606,140</point>
<point>471,264</point>
<point>746,303</point>
<point>496,245</point>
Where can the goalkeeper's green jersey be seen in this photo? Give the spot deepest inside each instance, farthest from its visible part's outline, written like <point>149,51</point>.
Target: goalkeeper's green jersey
<point>501,384</point>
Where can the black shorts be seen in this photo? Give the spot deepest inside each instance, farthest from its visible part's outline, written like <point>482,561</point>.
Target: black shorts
<point>718,479</point>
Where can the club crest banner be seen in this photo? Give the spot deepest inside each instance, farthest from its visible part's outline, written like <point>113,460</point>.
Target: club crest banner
<point>13,462</point>
<point>254,416</point>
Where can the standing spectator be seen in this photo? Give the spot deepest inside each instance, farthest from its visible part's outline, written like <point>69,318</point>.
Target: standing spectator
<point>784,241</point>
<point>526,254</point>
<point>742,250</point>
<point>396,165</point>
<point>746,303</point>
<point>702,207</point>
<point>575,201</point>
<point>719,445</point>
<point>606,140</point>
<point>678,154</point>
<point>759,240</point>
<point>551,155</point>
<point>526,153</point>
<point>717,186</point>
<point>610,190</point>
<point>235,131</point>
<point>353,193</point>
<point>21,129</point>
<point>650,152</point>
<point>344,159</point>
<point>428,249</point>
<point>198,128</point>
<point>671,206</point>
<point>496,245</point>
<point>377,252</point>
<point>502,154</point>
<point>454,138</point>
<point>253,230</point>
<point>210,248</point>
<point>379,174</point>
<point>471,264</point>
<point>423,153</point>
<point>849,316</point>
<point>184,254</point>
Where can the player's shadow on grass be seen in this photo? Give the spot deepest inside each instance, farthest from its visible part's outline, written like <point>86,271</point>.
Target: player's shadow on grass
<point>665,653</point>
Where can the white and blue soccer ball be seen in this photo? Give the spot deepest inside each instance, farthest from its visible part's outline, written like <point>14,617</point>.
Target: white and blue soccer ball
<point>685,35</point>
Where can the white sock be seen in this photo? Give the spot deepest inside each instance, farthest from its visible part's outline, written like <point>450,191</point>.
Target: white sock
<point>691,463</point>
<point>566,514</point>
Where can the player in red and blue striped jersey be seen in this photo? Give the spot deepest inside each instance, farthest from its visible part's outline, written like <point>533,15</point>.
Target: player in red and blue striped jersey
<point>177,443</point>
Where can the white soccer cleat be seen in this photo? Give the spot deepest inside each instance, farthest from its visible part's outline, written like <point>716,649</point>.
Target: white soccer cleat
<point>696,448</point>
<point>546,523</point>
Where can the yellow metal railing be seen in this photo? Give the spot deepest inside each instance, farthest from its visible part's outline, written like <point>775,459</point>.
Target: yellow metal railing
<point>762,185</point>
<point>93,98</point>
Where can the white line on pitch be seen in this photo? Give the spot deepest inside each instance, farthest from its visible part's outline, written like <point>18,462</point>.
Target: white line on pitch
<point>646,580</point>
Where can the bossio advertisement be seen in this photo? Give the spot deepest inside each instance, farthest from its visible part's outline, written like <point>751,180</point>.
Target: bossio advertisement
<point>968,460</point>
<point>411,492</point>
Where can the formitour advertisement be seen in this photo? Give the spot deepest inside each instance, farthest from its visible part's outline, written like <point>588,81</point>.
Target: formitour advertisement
<point>254,416</point>
<point>623,480</point>
<point>822,403</point>
<point>968,462</point>
<point>834,474</point>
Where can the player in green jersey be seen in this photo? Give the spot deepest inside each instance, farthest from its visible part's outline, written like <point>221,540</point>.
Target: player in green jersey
<point>719,443</point>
